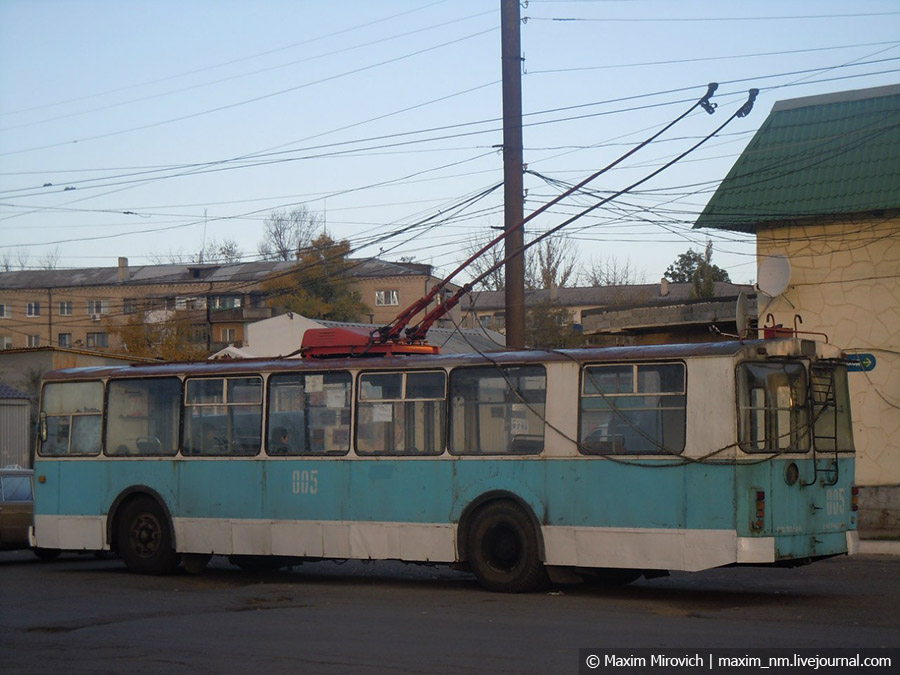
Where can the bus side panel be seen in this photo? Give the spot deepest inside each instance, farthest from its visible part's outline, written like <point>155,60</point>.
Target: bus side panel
<point>69,504</point>
<point>656,515</point>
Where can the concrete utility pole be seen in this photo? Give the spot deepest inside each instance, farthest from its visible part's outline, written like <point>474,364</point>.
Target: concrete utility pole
<point>513,192</point>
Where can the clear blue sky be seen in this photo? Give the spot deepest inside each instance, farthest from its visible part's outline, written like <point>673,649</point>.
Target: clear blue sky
<point>131,128</point>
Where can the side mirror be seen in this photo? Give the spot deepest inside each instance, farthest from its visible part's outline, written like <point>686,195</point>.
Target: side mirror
<point>43,427</point>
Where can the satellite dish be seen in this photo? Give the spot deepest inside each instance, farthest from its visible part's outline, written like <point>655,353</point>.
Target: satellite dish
<point>740,315</point>
<point>774,275</point>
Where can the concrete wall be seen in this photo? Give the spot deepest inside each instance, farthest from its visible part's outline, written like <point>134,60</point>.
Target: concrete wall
<point>844,282</point>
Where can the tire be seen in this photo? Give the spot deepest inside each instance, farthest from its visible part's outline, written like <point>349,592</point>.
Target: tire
<point>46,554</point>
<point>144,540</point>
<point>611,576</point>
<point>195,563</point>
<point>503,550</point>
<point>260,564</point>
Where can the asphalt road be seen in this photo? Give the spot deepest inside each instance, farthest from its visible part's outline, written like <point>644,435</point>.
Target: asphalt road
<point>84,615</point>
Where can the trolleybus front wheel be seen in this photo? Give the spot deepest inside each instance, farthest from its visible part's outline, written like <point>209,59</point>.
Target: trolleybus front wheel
<point>144,540</point>
<point>503,549</point>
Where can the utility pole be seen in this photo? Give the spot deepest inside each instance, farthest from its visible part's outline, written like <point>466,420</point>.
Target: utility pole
<point>513,191</point>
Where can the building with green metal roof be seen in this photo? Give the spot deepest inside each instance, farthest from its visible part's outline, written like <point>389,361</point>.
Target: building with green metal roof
<point>819,185</point>
<point>815,158</point>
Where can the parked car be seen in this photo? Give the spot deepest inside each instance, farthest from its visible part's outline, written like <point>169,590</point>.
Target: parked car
<point>17,510</point>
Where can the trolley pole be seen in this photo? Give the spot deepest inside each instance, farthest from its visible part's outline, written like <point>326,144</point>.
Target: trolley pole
<point>513,191</point>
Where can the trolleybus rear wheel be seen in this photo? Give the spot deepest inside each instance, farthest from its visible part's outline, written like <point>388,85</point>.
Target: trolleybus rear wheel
<point>144,540</point>
<point>503,549</point>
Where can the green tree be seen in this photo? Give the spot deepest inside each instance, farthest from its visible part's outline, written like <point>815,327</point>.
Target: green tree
<point>317,286</point>
<point>169,339</point>
<point>549,326</point>
<point>696,268</point>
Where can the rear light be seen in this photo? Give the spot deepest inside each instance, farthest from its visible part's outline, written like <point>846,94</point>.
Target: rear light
<point>854,498</point>
<point>760,510</point>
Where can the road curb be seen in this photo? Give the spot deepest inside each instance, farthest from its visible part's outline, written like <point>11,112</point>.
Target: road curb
<point>879,547</point>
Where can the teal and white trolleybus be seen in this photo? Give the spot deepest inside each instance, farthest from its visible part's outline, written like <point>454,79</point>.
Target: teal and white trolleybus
<point>611,462</point>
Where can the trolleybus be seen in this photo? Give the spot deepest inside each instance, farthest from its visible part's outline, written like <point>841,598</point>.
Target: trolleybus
<point>522,465</point>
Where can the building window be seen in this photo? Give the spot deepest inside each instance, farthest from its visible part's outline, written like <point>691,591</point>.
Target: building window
<point>182,303</point>
<point>228,334</point>
<point>129,305</point>
<point>5,311</point>
<point>65,308</point>
<point>34,340</point>
<point>5,342</point>
<point>97,340</point>
<point>33,309</point>
<point>65,339</point>
<point>226,301</point>
<point>199,332</point>
<point>387,298</point>
<point>97,306</point>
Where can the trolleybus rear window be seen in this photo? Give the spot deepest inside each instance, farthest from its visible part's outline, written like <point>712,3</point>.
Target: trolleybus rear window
<point>772,408</point>
<point>71,419</point>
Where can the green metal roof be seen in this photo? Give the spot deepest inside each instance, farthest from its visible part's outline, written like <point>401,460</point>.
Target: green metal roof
<point>829,155</point>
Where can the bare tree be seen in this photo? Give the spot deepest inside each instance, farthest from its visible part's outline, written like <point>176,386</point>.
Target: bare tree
<point>287,233</point>
<point>171,258</point>
<point>6,261</point>
<point>226,251</point>
<point>22,256</point>
<point>50,260</point>
<point>555,265</point>
<point>495,280</point>
<point>611,271</point>
<point>215,252</point>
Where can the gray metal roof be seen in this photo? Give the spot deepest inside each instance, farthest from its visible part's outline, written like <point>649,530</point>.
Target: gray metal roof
<point>181,273</point>
<point>7,392</point>
<point>602,296</point>
<point>450,340</point>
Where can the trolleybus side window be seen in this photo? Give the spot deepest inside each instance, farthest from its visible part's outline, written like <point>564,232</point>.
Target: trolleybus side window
<point>309,414</point>
<point>772,406</point>
<point>71,418</point>
<point>633,409</point>
<point>497,410</point>
<point>401,413</point>
<point>223,416</point>
<point>142,416</point>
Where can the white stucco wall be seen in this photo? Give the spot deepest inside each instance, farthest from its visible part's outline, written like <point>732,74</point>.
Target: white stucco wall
<point>845,282</point>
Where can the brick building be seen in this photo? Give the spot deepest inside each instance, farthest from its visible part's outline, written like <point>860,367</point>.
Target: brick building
<point>77,308</point>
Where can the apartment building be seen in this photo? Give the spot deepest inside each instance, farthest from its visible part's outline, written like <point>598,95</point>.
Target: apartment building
<point>79,308</point>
